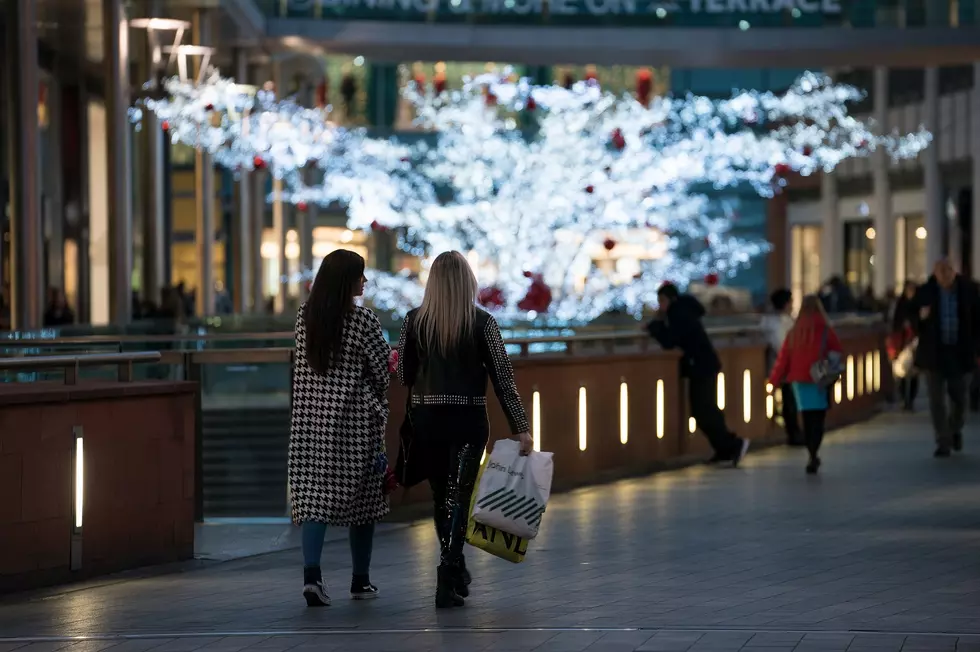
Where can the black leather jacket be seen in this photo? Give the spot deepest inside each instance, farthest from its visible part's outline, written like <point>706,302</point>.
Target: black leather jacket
<point>461,379</point>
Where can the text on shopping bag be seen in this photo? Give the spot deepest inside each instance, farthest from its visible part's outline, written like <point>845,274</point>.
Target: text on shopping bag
<point>500,544</point>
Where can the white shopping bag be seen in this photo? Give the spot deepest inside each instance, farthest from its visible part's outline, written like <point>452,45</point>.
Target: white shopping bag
<point>904,364</point>
<point>514,489</point>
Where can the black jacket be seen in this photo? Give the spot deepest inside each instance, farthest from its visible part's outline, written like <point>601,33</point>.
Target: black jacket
<point>682,329</point>
<point>930,355</point>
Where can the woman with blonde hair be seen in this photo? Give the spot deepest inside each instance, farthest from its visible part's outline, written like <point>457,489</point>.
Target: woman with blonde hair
<point>811,340</point>
<point>447,349</point>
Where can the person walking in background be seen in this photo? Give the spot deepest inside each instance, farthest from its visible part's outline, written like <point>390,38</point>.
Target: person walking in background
<point>947,353</point>
<point>808,342</point>
<point>776,326</point>
<point>446,350</point>
<point>678,326</point>
<point>337,462</point>
<point>904,328</point>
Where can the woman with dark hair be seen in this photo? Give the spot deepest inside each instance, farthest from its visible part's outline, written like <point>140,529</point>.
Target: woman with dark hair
<point>810,340</point>
<point>447,350</point>
<point>337,461</point>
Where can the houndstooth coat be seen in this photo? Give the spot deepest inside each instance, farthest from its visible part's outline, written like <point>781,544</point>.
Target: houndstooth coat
<point>337,428</point>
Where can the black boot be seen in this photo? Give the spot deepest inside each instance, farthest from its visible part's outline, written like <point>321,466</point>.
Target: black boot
<point>463,580</point>
<point>446,595</point>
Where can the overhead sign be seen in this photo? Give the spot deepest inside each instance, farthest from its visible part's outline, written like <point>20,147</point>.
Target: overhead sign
<point>574,7</point>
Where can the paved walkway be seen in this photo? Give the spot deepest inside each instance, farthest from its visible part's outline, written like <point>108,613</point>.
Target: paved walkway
<point>880,553</point>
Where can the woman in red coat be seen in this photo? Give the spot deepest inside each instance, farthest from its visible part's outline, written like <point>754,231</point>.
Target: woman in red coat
<point>809,341</point>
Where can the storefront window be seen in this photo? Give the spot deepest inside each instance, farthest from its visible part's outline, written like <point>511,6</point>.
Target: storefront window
<point>325,240</point>
<point>805,260</point>
<point>344,87</point>
<point>859,255</point>
<point>914,254</point>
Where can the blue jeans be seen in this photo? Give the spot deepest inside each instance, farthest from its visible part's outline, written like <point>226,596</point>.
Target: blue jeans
<point>361,545</point>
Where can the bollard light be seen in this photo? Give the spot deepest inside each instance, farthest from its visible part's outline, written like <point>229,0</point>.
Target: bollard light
<point>850,378</point>
<point>720,390</point>
<point>877,374</point>
<point>660,409</point>
<point>536,420</point>
<point>79,487</point>
<point>624,414</point>
<point>860,376</point>
<point>582,414</point>
<point>770,402</point>
<point>692,425</point>
<point>869,372</point>
<point>747,396</point>
<point>838,391</point>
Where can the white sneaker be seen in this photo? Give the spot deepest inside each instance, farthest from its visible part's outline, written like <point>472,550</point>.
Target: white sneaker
<point>316,595</point>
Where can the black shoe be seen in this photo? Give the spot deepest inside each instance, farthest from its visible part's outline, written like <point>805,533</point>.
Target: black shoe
<point>958,442</point>
<point>363,591</point>
<point>813,466</point>
<point>446,595</point>
<point>743,448</point>
<point>942,451</point>
<point>313,589</point>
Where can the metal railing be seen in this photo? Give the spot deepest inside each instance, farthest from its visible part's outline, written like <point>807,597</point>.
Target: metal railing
<point>72,364</point>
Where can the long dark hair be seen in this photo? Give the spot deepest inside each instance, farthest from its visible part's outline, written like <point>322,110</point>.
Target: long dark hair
<point>331,300</point>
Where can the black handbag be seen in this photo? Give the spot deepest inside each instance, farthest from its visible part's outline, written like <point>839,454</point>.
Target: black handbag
<point>411,467</point>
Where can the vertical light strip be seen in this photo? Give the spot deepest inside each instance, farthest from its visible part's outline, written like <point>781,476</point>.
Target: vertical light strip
<point>850,378</point>
<point>582,414</point>
<point>770,402</point>
<point>838,391</point>
<point>624,414</point>
<point>536,420</point>
<point>692,425</point>
<point>660,409</point>
<point>877,377</point>
<point>747,396</point>
<point>869,372</point>
<point>79,481</point>
<point>860,376</point>
<point>721,391</point>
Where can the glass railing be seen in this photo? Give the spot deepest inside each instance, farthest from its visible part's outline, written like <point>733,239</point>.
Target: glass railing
<point>638,13</point>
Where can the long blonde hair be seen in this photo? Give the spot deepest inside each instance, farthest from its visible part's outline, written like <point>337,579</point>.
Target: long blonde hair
<point>810,322</point>
<point>449,306</point>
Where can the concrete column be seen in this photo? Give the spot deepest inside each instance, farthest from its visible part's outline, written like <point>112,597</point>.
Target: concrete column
<point>975,155</point>
<point>257,225</point>
<point>279,213</point>
<point>26,253</point>
<point>53,202</point>
<point>204,194</point>
<point>242,288</point>
<point>884,221</point>
<point>306,219</point>
<point>930,166</point>
<point>152,183</point>
<point>831,232</point>
<point>115,29</point>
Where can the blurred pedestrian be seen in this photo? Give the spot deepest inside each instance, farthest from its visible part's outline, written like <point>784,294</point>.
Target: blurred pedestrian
<point>776,326</point>
<point>810,341</point>
<point>947,353</point>
<point>678,326</point>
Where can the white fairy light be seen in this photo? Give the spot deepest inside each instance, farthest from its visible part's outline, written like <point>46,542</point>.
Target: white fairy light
<point>542,206</point>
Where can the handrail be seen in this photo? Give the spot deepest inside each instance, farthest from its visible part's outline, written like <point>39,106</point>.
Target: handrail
<point>591,333</point>
<point>71,364</point>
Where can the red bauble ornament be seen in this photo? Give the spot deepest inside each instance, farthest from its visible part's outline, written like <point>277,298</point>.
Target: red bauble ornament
<point>530,105</point>
<point>644,86</point>
<point>590,189</point>
<point>538,297</point>
<point>617,139</point>
<point>209,107</point>
<point>165,125</point>
<point>609,244</point>
<point>258,163</point>
<point>711,279</point>
<point>528,274</point>
<point>781,169</point>
<point>302,206</point>
<point>807,151</point>
<point>491,297</point>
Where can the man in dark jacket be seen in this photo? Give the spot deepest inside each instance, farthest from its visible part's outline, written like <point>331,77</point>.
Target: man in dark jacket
<point>678,325</point>
<point>949,326</point>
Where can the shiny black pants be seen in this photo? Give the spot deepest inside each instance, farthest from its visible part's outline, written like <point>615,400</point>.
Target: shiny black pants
<point>455,438</point>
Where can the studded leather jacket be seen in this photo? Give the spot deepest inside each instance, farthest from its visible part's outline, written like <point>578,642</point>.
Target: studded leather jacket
<point>461,379</point>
